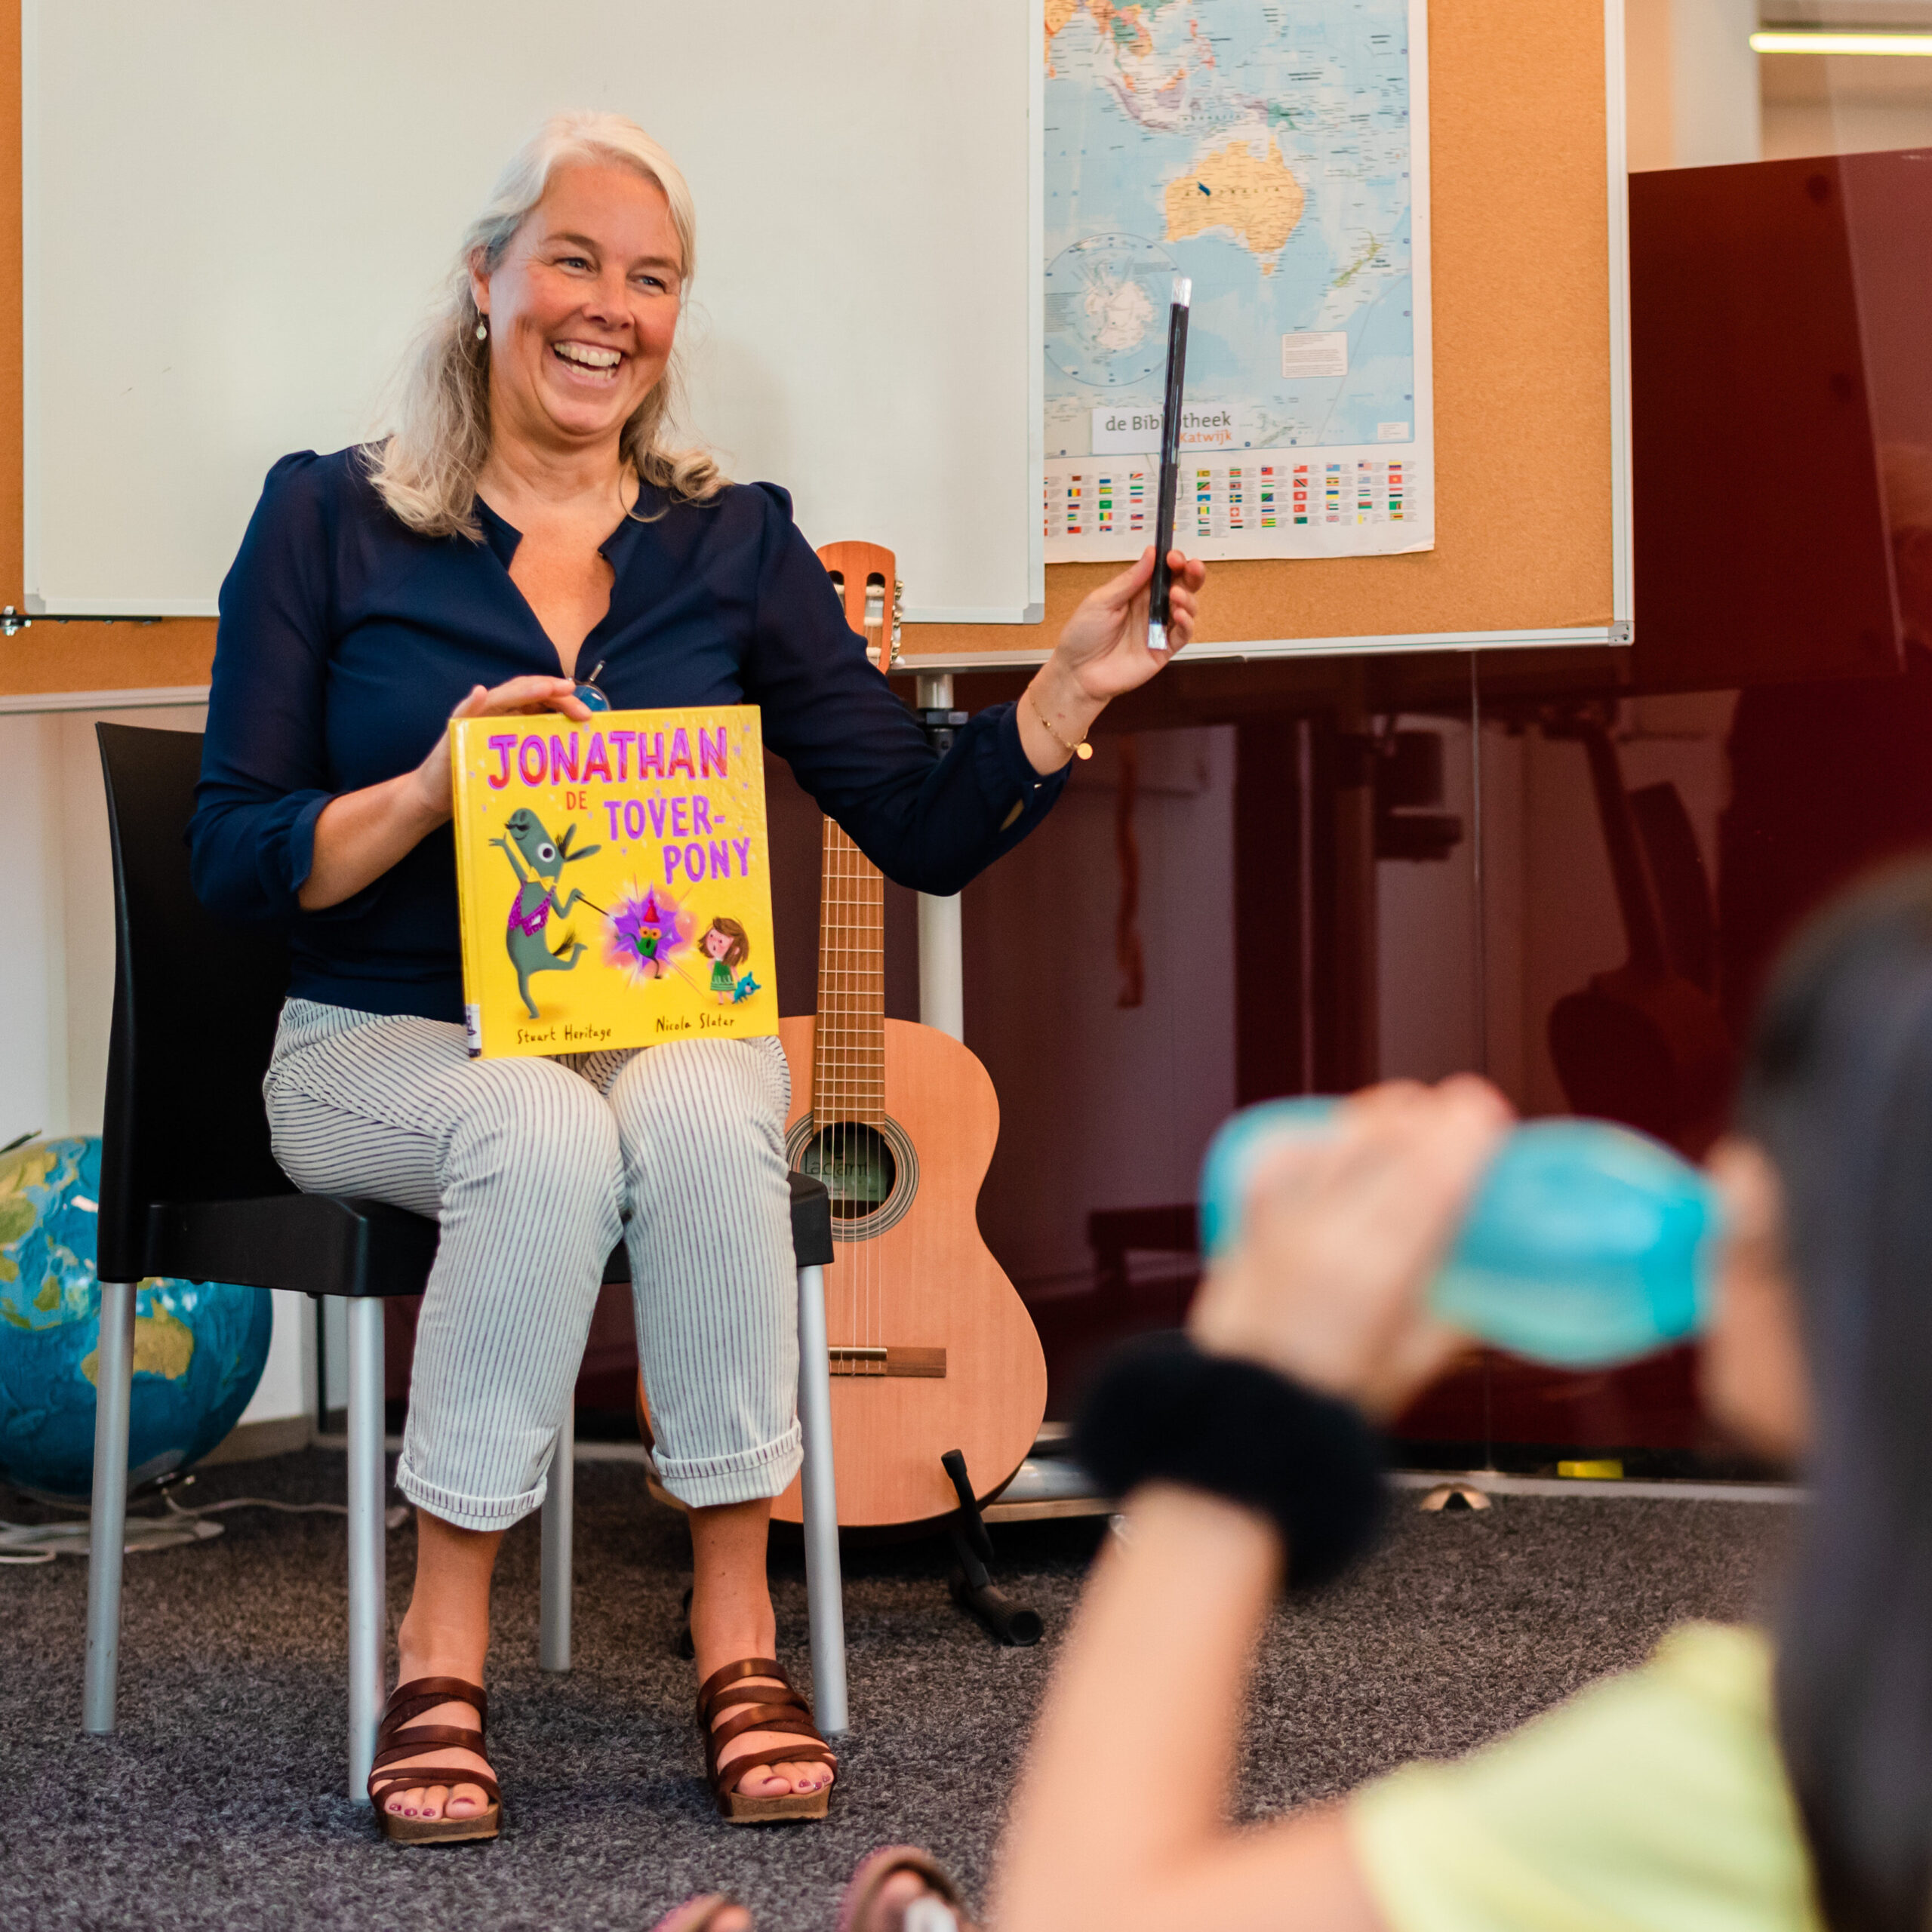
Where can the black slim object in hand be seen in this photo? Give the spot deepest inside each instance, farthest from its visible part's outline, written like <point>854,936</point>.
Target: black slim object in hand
<point>1164,520</point>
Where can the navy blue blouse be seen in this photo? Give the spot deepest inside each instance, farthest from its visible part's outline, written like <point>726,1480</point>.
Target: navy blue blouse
<point>346,640</point>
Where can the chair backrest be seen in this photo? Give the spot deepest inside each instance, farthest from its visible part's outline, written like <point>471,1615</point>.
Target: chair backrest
<point>195,1003</point>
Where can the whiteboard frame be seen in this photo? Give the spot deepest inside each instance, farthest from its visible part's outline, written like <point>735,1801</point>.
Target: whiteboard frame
<point>30,346</point>
<point>33,427</point>
<point>1245,651</point>
<point>1623,608</point>
<point>1617,634</point>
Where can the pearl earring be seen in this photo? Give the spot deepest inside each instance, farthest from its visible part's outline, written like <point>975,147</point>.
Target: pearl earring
<point>482,330</point>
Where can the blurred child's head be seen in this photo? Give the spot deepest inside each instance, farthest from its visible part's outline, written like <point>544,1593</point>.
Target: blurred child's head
<point>1830,1190</point>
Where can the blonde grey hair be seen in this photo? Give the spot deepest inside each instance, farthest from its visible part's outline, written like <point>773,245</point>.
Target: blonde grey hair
<point>427,468</point>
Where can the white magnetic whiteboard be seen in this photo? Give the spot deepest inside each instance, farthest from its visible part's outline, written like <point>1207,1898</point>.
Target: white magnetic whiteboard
<point>233,213</point>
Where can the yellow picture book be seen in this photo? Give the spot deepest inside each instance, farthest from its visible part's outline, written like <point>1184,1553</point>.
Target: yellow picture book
<point>614,880</point>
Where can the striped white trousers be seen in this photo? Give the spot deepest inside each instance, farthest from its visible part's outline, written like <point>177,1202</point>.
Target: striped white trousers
<point>532,1167</point>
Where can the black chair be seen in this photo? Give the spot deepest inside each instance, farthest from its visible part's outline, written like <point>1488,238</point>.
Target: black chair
<point>190,1189</point>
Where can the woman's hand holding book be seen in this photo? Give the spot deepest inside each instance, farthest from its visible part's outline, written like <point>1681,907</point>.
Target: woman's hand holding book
<point>359,836</point>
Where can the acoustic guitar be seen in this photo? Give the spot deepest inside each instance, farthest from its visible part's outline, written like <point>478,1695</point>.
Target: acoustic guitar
<point>932,1349</point>
<point>1643,1043</point>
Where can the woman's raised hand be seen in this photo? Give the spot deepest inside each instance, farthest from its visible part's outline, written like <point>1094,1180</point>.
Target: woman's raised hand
<point>1102,652</point>
<point>1104,645</point>
<point>1341,1236</point>
<point>431,783</point>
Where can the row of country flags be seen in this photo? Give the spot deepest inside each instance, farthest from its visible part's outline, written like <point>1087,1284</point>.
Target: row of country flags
<point>1258,496</point>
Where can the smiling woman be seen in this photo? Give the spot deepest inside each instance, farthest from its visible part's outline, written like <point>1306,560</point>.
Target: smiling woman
<point>531,507</point>
<point>428,470</point>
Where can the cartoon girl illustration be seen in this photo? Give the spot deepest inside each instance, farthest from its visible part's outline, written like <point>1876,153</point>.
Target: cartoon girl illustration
<point>728,946</point>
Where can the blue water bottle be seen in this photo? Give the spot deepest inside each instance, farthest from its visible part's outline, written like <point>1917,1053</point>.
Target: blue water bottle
<point>1585,1244</point>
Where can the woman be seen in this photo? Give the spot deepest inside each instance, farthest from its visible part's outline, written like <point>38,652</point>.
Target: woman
<point>1720,1785</point>
<point>528,519</point>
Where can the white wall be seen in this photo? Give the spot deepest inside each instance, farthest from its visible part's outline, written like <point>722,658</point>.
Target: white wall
<point>1854,104</point>
<point>1697,95</point>
<point>57,968</point>
<point>1715,112</point>
<point>1691,83</point>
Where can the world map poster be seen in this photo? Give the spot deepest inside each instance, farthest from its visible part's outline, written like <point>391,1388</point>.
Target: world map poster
<point>1276,153</point>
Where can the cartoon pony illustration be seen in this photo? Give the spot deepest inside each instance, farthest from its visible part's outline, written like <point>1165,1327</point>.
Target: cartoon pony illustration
<point>537,897</point>
<point>727,945</point>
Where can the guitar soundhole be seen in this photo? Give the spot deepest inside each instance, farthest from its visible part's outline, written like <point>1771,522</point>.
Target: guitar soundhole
<point>856,1163</point>
<point>872,1172</point>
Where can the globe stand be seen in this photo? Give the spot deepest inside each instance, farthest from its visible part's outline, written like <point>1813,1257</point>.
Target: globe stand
<point>42,1542</point>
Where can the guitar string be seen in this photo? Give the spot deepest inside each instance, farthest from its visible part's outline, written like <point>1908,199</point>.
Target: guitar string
<point>852,1018</point>
<point>848,1059</point>
<point>870,1046</point>
<point>834,1093</point>
<point>856,1109</point>
<point>841,941</point>
<point>874,998</point>
<point>841,1110</point>
<point>854,1144</point>
<point>823,1064</point>
<point>862,1141</point>
<point>840,1138</point>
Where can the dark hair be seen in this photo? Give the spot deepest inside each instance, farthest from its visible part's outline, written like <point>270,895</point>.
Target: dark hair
<point>1838,1093</point>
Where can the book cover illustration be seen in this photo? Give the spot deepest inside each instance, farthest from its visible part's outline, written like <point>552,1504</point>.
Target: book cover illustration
<point>613,878</point>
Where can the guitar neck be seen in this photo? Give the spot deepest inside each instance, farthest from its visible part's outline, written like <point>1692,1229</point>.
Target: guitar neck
<point>848,1055</point>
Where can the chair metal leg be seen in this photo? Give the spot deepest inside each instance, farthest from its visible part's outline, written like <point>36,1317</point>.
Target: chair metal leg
<point>553,1632</point>
<point>368,1583</point>
<point>824,1596</point>
<point>113,1373</point>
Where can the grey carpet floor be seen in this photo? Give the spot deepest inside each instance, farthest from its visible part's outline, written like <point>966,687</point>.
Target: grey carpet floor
<point>220,1804</point>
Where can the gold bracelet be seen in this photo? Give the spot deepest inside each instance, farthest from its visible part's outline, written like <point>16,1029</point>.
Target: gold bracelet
<point>1083,750</point>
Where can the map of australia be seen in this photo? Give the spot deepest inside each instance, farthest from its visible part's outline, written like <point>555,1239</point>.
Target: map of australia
<point>1266,150</point>
<point>1255,195</point>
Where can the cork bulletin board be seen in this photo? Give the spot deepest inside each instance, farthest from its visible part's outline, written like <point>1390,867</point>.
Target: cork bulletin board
<point>1532,521</point>
<point>1527,235</point>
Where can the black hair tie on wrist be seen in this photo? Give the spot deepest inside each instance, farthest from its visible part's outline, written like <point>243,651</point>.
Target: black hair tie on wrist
<point>1161,1411</point>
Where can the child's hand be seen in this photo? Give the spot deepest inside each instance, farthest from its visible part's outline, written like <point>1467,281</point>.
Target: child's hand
<point>1341,1237</point>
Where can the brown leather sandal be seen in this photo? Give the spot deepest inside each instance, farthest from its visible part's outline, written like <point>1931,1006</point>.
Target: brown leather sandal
<point>857,1912</point>
<point>396,1738</point>
<point>764,1709</point>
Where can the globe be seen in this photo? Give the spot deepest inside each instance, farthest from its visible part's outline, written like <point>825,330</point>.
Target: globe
<point>199,1346</point>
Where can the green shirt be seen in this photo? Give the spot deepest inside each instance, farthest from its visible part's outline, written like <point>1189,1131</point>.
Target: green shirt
<point>1654,1802</point>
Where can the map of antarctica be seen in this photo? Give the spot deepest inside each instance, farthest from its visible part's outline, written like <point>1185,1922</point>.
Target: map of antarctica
<point>1274,152</point>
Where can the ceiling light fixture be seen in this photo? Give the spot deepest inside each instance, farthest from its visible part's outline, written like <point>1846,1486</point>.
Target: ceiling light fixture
<point>1830,40</point>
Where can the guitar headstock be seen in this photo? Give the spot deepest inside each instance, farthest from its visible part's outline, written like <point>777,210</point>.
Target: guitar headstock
<point>866,577</point>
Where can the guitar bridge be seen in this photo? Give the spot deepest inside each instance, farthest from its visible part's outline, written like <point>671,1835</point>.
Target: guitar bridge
<point>929,1363</point>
